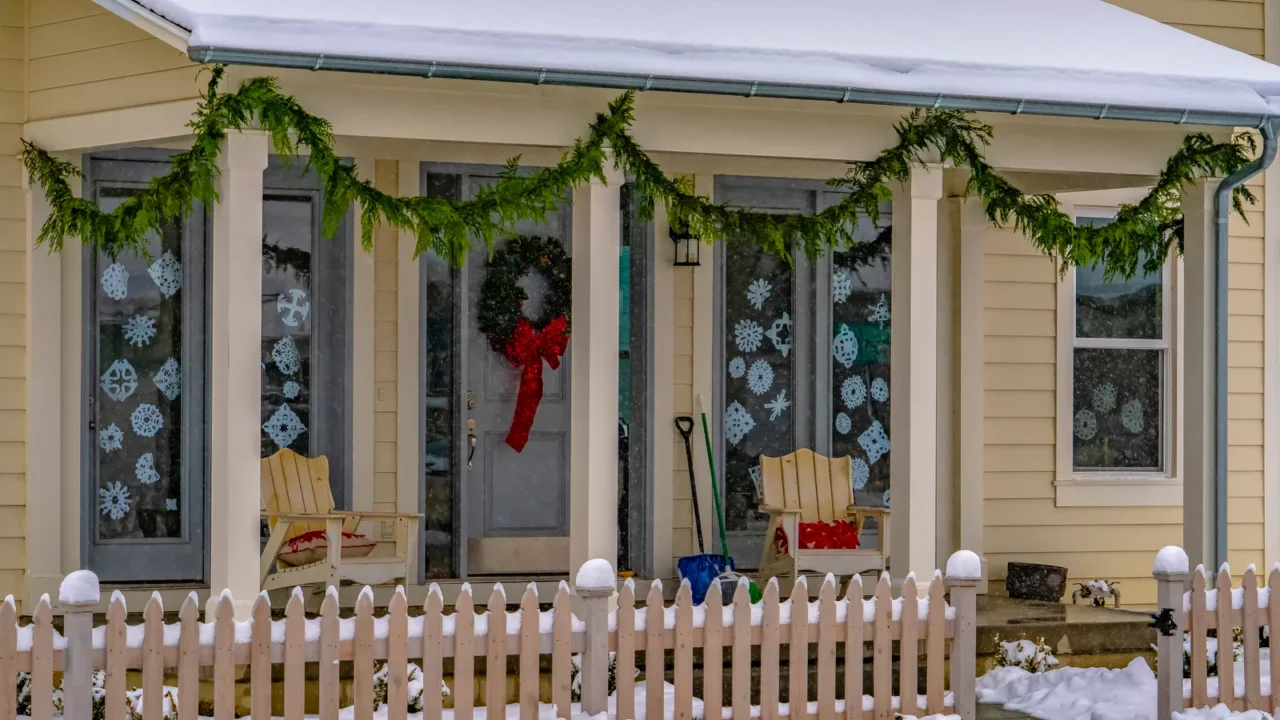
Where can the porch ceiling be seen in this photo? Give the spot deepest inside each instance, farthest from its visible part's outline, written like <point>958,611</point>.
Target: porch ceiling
<point>1082,52</point>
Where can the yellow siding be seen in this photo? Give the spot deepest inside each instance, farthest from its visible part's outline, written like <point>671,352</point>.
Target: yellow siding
<point>84,59</point>
<point>13,261</point>
<point>1234,23</point>
<point>385,266</point>
<point>683,540</point>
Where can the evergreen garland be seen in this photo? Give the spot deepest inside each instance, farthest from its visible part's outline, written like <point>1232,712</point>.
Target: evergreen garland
<point>446,227</point>
<point>501,301</point>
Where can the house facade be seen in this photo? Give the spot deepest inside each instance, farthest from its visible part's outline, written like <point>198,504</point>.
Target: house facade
<point>1035,416</point>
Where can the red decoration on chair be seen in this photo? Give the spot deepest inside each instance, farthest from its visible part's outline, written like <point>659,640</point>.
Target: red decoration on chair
<point>837,535</point>
<point>527,349</point>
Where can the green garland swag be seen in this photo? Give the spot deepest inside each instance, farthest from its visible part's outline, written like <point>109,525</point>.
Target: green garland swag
<point>502,299</point>
<point>1147,229</point>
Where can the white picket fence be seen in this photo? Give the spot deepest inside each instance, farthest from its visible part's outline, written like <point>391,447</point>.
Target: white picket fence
<point>1195,610</point>
<point>727,635</point>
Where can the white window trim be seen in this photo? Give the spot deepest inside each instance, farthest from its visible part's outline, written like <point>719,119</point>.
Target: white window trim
<point>1119,489</point>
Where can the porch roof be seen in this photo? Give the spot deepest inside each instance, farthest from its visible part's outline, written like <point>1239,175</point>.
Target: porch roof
<point>1079,52</point>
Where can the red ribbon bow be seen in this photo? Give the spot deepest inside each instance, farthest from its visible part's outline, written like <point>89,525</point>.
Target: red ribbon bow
<point>526,349</point>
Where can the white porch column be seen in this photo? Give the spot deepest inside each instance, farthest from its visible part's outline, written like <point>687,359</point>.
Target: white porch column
<point>236,372</point>
<point>1198,499</point>
<point>913,431</point>
<point>593,353</point>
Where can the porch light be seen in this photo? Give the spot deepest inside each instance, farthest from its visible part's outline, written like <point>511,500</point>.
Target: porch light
<point>687,245</point>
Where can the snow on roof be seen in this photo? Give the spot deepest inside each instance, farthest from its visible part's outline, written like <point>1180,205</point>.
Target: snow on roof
<point>1076,51</point>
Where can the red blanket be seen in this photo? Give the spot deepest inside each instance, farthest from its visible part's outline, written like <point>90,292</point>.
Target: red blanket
<point>837,535</point>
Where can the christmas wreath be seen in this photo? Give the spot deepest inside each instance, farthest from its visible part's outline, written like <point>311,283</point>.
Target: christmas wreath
<point>511,334</point>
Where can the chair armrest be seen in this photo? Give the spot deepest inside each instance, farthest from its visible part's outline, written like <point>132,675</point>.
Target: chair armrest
<point>303,516</point>
<point>859,510</point>
<point>370,515</point>
<point>779,511</point>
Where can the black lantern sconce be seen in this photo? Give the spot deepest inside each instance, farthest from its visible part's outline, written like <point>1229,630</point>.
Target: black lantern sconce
<point>688,247</point>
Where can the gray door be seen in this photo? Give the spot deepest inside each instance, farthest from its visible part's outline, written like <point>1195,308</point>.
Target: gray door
<point>143,488</point>
<point>515,505</point>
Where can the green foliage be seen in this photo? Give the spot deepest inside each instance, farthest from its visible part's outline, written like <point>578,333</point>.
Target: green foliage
<point>446,227</point>
<point>501,297</point>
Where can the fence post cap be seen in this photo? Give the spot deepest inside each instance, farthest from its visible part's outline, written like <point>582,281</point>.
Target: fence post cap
<point>1171,560</point>
<point>964,567</point>
<point>79,589</point>
<point>595,577</point>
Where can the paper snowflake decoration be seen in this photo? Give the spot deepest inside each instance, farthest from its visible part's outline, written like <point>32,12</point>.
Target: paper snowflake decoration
<point>853,391</point>
<point>845,347</point>
<point>780,334</point>
<point>115,281</point>
<point>1085,425</point>
<point>167,274</point>
<point>146,420</point>
<point>861,473</point>
<point>737,423</point>
<point>293,309</point>
<point>145,470</point>
<point>748,334</point>
<point>777,405</point>
<point>874,441</point>
<point>285,355</point>
<point>843,424</point>
<point>841,284</point>
<point>885,498</point>
<point>120,380</point>
<point>291,389</point>
<point>168,379</point>
<point>111,438</point>
<point>113,500</point>
<point>1131,416</point>
<point>1104,398</point>
<point>760,377</point>
<point>171,504</point>
<point>737,368</point>
<point>879,313</point>
<point>139,330</point>
<point>880,390</point>
<point>758,292</point>
<point>284,427</point>
<point>756,482</point>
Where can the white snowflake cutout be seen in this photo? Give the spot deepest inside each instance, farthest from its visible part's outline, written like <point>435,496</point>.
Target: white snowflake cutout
<point>295,308</point>
<point>115,281</point>
<point>145,470</point>
<point>120,380</point>
<point>737,368</point>
<point>853,391</point>
<point>167,274</point>
<point>291,389</point>
<point>284,427</point>
<point>879,389</point>
<point>841,284</point>
<point>285,355</point>
<point>756,482</point>
<point>780,334</point>
<point>113,500</point>
<point>845,347</point>
<point>737,423</point>
<point>843,424</point>
<point>874,442</point>
<point>111,438</point>
<point>1104,398</point>
<point>139,330</point>
<point>1131,416</point>
<point>760,377</point>
<point>758,292</point>
<point>1085,425</point>
<point>146,420</point>
<point>885,498</point>
<point>879,312</point>
<point>171,504</point>
<point>861,473</point>
<point>777,405</point>
<point>748,334</point>
<point>168,379</point>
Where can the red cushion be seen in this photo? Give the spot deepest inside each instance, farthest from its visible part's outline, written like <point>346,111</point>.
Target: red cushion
<point>836,535</point>
<point>313,546</point>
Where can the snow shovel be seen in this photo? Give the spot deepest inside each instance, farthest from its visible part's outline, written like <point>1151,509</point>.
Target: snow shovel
<point>701,569</point>
<point>728,577</point>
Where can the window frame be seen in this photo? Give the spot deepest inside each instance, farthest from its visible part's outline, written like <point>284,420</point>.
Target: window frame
<point>1105,487</point>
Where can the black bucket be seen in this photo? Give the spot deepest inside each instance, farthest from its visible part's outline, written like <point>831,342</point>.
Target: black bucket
<point>1032,581</point>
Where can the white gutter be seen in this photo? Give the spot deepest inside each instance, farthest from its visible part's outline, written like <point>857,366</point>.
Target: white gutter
<point>174,35</point>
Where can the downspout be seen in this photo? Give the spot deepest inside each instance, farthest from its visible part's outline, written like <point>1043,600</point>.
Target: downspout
<point>1222,216</point>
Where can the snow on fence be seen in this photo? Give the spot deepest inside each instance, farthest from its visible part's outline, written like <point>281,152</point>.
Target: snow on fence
<point>1245,682</point>
<point>727,634</point>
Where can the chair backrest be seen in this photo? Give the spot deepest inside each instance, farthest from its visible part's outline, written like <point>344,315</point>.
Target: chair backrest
<point>818,486</point>
<point>293,483</point>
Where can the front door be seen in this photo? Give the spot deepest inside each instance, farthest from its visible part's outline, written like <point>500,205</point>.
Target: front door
<point>143,487</point>
<point>515,506</point>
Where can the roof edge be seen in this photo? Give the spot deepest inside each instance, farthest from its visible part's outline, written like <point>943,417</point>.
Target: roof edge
<point>171,33</point>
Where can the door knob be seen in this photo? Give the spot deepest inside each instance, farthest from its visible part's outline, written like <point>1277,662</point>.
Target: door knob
<point>471,438</point>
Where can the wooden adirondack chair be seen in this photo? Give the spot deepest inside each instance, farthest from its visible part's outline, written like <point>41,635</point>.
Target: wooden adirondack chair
<point>296,499</point>
<point>806,487</point>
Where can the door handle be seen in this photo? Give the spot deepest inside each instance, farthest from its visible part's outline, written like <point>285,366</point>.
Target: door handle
<point>471,437</point>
